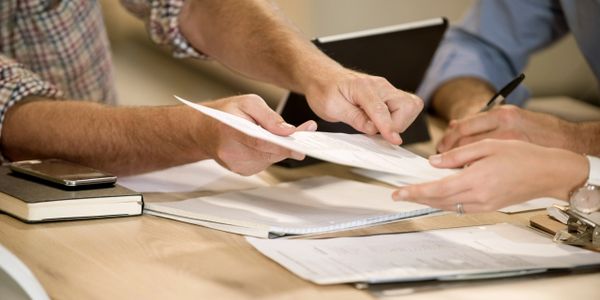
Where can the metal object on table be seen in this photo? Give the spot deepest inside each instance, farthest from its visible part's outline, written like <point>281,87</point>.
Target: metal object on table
<point>583,229</point>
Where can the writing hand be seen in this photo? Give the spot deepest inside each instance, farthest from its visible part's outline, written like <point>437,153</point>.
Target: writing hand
<point>508,122</point>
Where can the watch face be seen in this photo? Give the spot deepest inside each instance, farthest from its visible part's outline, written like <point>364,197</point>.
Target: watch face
<point>586,199</point>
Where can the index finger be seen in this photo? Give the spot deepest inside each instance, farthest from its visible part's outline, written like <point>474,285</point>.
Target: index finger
<point>405,108</point>
<point>378,112</point>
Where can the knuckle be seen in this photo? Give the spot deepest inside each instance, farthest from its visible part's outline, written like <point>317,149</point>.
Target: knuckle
<point>418,103</point>
<point>379,107</point>
<point>509,113</point>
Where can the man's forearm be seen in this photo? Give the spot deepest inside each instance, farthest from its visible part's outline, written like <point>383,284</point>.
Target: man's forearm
<point>586,138</point>
<point>119,140</point>
<point>253,37</point>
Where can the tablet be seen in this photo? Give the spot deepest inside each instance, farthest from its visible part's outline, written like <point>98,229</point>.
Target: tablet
<point>400,53</point>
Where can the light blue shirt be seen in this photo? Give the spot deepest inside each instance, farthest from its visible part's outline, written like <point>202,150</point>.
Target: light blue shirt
<point>497,37</point>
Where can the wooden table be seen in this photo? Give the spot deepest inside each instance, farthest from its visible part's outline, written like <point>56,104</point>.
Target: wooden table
<point>152,258</point>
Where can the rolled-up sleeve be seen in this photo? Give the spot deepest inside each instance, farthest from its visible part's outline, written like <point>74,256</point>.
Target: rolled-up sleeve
<point>17,83</point>
<point>494,42</point>
<point>162,22</point>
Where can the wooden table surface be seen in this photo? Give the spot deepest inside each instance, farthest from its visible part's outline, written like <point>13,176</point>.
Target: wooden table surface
<point>148,257</point>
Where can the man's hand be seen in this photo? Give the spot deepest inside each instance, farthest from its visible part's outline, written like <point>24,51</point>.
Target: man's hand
<point>368,103</point>
<point>498,174</point>
<point>511,122</point>
<point>239,152</point>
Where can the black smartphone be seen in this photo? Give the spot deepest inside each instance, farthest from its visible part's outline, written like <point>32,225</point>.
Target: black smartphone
<point>62,172</point>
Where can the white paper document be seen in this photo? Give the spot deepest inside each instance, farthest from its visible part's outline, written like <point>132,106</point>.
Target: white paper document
<point>206,175</point>
<point>449,254</point>
<point>315,205</point>
<point>534,204</point>
<point>403,180</point>
<point>357,150</point>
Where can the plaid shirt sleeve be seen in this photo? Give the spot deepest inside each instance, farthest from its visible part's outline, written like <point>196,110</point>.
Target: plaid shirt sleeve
<point>17,82</point>
<point>161,18</point>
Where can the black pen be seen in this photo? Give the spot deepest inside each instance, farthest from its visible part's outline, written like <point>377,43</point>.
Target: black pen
<point>503,93</point>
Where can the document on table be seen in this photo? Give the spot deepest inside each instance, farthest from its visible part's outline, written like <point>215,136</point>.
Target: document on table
<point>206,175</point>
<point>402,180</point>
<point>493,251</point>
<point>315,205</point>
<point>357,150</point>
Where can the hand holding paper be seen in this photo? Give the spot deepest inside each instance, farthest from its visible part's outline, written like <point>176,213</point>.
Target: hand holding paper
<point>239,152</point>
<point>357,150</point>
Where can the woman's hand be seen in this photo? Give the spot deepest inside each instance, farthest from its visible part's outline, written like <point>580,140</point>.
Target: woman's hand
<point>499,173</point>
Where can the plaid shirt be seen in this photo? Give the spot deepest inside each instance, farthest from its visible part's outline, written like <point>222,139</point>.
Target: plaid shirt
<point>59,49</point>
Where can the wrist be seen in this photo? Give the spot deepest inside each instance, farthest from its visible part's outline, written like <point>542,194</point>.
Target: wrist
<point>195,130</point>
<point>460,97</point>
<point>576,179</point>
<point>316,79</point>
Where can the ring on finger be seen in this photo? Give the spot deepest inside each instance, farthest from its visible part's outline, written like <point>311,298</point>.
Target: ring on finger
<point>460,209</point>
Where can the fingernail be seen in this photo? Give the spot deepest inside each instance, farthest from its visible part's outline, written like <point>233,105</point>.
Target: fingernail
<point>297,155</point>
<point>397,137</point>
<point>435,159</point>
<point>370,127</point>
<point>286,125</point>
<point>312,126</point>
<point>399,195</point>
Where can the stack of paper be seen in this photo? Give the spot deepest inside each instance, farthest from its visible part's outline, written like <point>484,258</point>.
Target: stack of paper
<point>500,250</point>
<point>316,205</point>
<point>206,175</point>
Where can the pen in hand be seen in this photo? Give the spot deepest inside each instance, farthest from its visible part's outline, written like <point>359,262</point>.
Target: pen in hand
<point>503,93</point>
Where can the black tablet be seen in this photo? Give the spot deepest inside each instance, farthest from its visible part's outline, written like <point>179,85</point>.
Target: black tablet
<point>400,53</point>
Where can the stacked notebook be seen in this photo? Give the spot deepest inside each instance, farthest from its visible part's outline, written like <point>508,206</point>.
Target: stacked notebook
<point>315,205</point>
<point>35,201</point>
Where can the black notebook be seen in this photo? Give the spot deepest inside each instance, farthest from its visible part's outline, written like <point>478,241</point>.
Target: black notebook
<point>399,53</point>
<point>35,201</point>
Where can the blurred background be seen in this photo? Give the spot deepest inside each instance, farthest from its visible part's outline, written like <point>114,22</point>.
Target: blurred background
<point>147,75</point>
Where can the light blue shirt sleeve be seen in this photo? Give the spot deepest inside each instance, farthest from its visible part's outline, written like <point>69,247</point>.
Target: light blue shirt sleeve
<point>493,42</point>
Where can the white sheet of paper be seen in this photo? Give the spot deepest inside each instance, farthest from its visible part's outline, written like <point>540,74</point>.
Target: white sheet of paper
<point>500,249</point>
<point>357,150</point>
<point>401,180</point>
<point>318,204</point>
<point>202,175</point>
<point>534,204</point>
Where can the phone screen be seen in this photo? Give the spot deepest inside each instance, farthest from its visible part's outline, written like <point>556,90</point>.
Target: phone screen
<point>62,172</point>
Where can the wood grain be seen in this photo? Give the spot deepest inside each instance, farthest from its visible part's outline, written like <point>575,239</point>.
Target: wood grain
<point>152,258</point>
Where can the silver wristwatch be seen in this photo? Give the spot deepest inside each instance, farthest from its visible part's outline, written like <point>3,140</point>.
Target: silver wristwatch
<point>587,198</point>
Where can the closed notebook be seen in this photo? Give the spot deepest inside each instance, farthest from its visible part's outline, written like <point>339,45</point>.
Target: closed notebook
<point>35,201</point>
<point>315,205</point>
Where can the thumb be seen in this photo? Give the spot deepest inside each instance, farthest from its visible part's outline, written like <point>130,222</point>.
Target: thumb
<point>264,116</point>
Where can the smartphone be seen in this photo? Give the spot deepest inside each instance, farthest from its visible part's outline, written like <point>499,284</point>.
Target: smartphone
<point>62,172</point>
